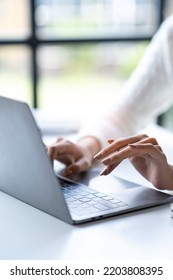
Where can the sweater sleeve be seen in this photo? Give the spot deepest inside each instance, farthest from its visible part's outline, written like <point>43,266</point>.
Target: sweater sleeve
<point>146,94</point>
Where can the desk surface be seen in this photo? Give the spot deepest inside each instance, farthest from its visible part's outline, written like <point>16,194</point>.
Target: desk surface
<point>27,233</point>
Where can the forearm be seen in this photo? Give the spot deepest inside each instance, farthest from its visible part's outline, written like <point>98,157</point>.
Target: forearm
<point>147,93</point>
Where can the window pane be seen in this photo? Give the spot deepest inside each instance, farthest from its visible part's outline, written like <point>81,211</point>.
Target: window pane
<point>14,19</point>
<point>14,73</point>
<point>78,78</point>
<point>167,119</point>
<point>97,18</point>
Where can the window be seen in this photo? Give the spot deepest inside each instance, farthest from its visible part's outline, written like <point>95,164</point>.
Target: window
<point>96,18</point>
<point>14,72</point>
<point>14,19</point>
<point>56,54</point>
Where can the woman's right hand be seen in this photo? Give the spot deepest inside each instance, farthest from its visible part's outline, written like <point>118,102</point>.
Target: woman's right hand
<point>146,156</point>
<point>76,156</point>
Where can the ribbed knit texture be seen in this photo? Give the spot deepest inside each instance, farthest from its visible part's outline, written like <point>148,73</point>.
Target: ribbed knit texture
<point>147,93</point>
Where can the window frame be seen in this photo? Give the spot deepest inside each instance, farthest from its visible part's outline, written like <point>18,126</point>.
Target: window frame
<point>33,42</point>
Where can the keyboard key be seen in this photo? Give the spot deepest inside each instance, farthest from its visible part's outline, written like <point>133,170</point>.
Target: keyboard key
<point>91,196</point>
<point>102,207</point>
<point>108,197</point>
<point>100,195</point>
<point>115,200</point>
<point>97,199</point>
<point>84,205</point>
<point>121,204</point>
<point>92,191</point>
<point>85,199</point>
<point>67,196</point>
<point>77,202</point>
<point>109,204</point>
<point>92,202</point>
<point>72,206</point>
<point>77,196</point>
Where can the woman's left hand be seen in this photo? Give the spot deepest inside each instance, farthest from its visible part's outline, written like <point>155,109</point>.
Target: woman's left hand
<point>146,156</point>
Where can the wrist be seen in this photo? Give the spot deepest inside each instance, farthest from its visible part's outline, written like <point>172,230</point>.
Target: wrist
<point>90,145</point>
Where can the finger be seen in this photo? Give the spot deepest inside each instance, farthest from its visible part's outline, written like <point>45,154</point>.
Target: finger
<point>121,143</point>
<point>155,151</point>
<point>109,169</point>
<point>118,156</point>
<point>60,148</point>
<point>151,140</point>
<point>118,144</point>
<point>52,153</point>
<point>159,148</point>
<point>65,159</point>
<point>133,150</point>
<point>59,139</point>
<point>110,141</point>
<point>77,167</point>
<point>52,150</point>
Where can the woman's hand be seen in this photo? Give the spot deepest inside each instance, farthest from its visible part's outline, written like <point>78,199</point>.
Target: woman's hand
<point>77,157</point>
<point>146,156</point>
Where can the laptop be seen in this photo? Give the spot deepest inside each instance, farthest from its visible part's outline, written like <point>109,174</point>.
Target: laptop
<point>26,173</point>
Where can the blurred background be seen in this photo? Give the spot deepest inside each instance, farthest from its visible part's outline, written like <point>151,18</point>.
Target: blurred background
<point>68,58</point>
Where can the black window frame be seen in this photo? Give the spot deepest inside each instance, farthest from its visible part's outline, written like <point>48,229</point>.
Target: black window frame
<point>33,42</point>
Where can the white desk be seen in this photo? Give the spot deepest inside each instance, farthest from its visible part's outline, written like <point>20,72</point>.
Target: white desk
<point>27,233</point>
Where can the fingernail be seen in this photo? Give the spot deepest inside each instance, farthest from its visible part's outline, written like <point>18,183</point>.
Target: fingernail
<point>67,172</point>
<point>132,145</point>
<point>106,161</point>
<point>104,172</point>
<point>98,156</point>
<point>110,141</point>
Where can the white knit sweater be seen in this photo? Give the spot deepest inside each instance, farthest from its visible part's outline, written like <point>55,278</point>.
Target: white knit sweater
<point>147,93</point>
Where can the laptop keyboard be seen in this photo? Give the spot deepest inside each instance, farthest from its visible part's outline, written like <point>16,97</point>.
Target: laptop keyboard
<point>83,200</point>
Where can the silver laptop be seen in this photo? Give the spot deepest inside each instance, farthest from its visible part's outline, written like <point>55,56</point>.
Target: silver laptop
<point>26,173</point>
